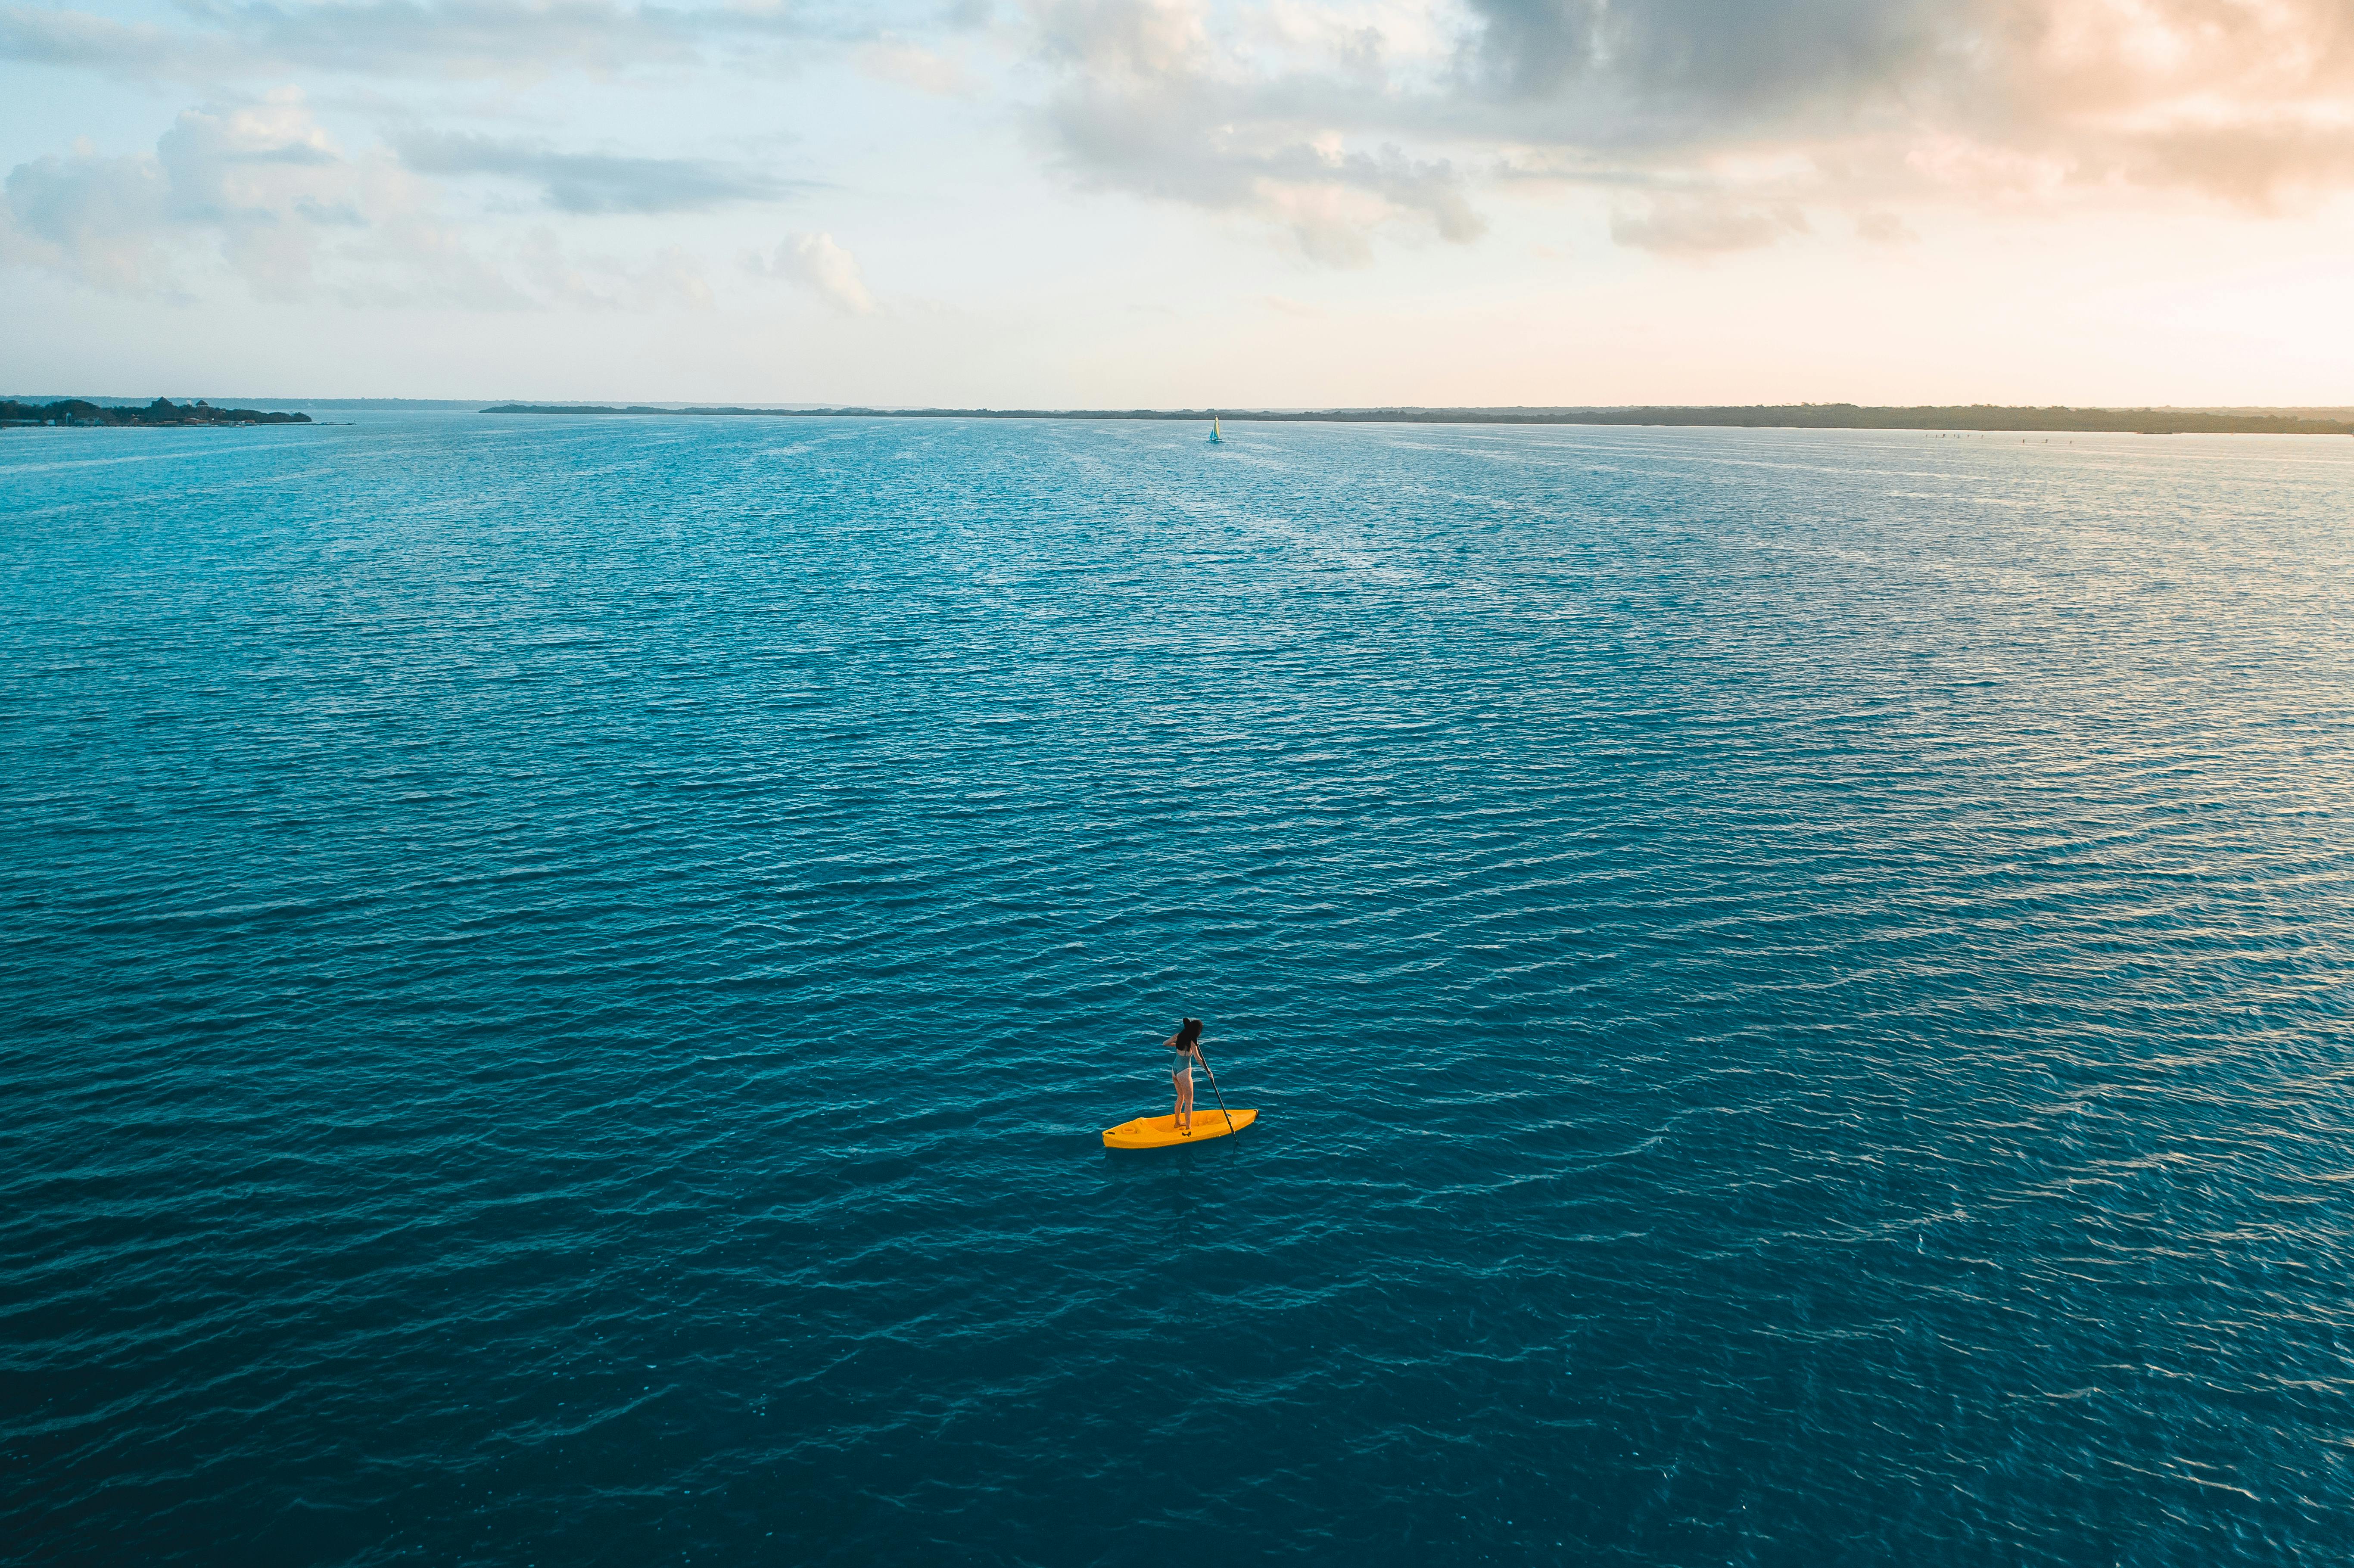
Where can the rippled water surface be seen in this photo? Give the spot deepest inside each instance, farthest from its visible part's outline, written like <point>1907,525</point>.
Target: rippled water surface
<point>562,978</point>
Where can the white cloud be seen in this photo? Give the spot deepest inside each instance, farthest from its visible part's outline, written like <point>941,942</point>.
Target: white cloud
<point>1153,102</point>
<point>1336,125</point>
<point>813,261</point>
<point>259,192</point>
<point>257,186</point>
<point>1337,129</point>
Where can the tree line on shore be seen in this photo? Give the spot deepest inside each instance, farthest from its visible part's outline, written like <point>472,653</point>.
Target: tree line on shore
<point>161,411</point>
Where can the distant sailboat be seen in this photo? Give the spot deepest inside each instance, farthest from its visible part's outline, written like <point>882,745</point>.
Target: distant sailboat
<point>1214,430</point>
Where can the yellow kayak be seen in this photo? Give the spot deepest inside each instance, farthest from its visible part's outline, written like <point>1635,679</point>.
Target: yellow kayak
<point>1161,1131</point>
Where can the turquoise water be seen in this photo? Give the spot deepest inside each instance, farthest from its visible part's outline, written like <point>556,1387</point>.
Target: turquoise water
<point>563,978</point>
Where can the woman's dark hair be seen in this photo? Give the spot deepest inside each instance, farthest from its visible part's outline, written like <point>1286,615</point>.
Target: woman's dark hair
<point>1187,1033</point>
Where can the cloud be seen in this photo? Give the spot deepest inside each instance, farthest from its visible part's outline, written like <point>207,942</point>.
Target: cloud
<point>1152,103</point>
<point>1679,65</point>
<point>813,261</point>
<point>37,36</point>
<point>259,193</point>
<point>415,38</point>
<point>592,181</point>
<point>1703,226</point>
<point>2081,81</point>
<point>258,182</point>
<point>1717,124</point>
<point>90,218</point>
<point>1335,127</point>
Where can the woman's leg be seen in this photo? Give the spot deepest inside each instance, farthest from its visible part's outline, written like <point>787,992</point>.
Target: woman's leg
<point>1185,1103</point>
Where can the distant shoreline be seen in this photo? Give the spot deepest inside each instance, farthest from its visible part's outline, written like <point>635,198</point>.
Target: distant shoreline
<point>162,411</point>
<point>1986,418</point>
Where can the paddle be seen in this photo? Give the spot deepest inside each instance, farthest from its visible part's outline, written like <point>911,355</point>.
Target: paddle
<point>1214,1087</point>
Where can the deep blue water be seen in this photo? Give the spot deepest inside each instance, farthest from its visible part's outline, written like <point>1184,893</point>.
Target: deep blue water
<point>562,978</point>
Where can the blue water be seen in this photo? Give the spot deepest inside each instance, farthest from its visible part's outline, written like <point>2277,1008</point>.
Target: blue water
<point>562,978</point>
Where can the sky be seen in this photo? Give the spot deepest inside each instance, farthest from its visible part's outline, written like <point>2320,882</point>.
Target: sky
<point>1182,203</point>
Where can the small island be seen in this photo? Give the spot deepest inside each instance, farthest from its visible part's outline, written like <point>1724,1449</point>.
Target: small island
<point>161,411</point>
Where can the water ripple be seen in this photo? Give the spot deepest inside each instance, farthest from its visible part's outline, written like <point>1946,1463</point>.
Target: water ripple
<point>563,977</point>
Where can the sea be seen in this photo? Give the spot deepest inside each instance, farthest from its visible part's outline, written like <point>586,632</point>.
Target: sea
<point>561,978</point>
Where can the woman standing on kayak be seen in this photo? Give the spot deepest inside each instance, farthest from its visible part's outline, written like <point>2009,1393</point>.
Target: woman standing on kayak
<point>1187,1044</point>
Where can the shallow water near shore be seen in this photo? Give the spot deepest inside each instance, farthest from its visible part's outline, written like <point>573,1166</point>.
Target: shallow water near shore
<point>564,977</point>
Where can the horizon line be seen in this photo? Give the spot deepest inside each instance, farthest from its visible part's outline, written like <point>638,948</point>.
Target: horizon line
<point>1977,417</point>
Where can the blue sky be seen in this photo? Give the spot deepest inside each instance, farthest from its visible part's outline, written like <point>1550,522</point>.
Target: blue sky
<point>1092,202</point>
